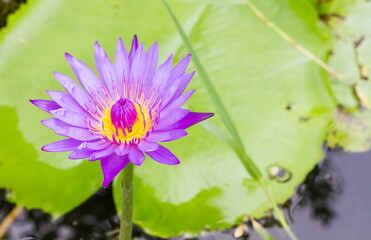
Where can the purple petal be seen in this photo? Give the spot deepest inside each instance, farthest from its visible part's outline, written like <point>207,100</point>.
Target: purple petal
<point>135,156</point>
<point>164,156</point>
<point>73,89</point>
<point>134,47</point>
<point>180,69</point>
<point>165,136</point>
<point>111,166</point>
<point>176,104</point>
<point>73,118</point>
<point>162,75</point>
<point>80,154</point>
<point>122,64</point>
<point>191,119</point>
<point>46,105</point>
<point>138,66</point>
<point>76,133</point>
<point>176,88</point>
<point>103,153</point>
<point>68,102</point>
<point>106,70</point>
<point>86,76</point>
<point>64,145</point>
<point>55,123</point>
<point>172,118</point>
<point>145,146</point>
<point>152,61</point>
<point>96,145</point>
<point>122,150</point>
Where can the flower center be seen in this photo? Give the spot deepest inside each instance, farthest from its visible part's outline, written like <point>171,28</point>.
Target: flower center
<point>125,122</point>
<point>128,120</point>
<point>124,114</point>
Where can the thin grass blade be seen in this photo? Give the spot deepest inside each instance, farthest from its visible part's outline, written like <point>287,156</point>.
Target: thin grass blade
<point>223,113</point>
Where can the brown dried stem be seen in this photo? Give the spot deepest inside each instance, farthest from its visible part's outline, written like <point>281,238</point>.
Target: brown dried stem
<point>296,45</point>
<point>8,220</point>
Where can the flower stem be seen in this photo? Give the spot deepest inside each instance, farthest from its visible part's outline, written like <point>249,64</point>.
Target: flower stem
<point>127,203</point>
<point>277,210</point>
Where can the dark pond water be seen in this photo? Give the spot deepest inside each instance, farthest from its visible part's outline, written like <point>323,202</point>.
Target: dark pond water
<point>332,203</point>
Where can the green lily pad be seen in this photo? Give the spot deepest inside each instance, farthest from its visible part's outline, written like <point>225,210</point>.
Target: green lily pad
<point>351,128</point>
<point>333,9</point>
<point>36,184</point>
<point>352,132</point>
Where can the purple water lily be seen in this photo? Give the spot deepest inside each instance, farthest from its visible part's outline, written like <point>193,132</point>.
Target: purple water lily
<point>124,113</point>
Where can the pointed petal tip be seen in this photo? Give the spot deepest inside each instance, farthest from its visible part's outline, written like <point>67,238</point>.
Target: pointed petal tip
<point>119,43</point>
<point>141,49</point>
<point>210,115</point>
<point>191,119</point>
<point>69,58</point>
<point>136,163</point>
<point>65,145</point>
<point>164,156</point>
<point>45,105</point>
<point>136,156</point>
<point>67,55</point>
<point>111,167</point>
<point>57,74</point>
<point>36,101</point>
<point>106,183</point>
<point>135,41</point>
<point>45,123</point>
<point>97,46</point>
<point>206,116</point>
<point>71,156</point>
<point>155,45</point>
<point>43,148</point>
<point>46,149</point>
<point>169,60</point>
<point>77,156</point>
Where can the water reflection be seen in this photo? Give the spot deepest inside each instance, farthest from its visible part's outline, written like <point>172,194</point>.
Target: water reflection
<point>320,190</point>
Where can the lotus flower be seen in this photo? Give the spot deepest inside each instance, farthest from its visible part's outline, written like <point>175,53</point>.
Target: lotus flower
<point>124,114</point>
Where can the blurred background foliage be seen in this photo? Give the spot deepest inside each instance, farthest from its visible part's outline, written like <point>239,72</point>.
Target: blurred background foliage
<point>284,105</point>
